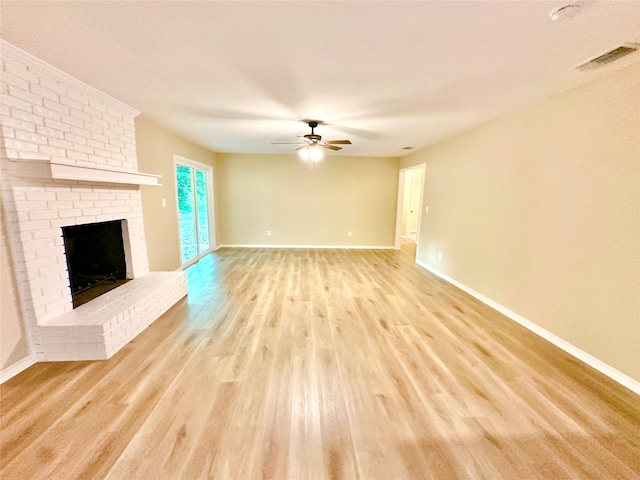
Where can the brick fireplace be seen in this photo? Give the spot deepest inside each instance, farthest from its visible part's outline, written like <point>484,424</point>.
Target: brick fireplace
<point>68,159</point>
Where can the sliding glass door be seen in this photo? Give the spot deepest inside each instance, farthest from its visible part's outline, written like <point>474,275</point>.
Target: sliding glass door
<point>195,194</point>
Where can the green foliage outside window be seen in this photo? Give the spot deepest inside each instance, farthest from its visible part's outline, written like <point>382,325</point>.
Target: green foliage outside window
<point>183,177</point>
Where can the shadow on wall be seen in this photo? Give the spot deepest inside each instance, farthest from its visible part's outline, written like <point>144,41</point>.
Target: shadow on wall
<point>13,339</point>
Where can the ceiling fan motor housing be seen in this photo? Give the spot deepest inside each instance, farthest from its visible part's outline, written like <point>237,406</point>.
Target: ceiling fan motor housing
<point>312,136</point>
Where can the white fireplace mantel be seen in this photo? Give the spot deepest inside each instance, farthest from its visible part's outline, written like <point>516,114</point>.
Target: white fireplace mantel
<point>85,173</point>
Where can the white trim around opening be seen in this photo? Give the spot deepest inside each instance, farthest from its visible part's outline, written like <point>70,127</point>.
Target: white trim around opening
<point>399,206</point>
<point>208,169</point>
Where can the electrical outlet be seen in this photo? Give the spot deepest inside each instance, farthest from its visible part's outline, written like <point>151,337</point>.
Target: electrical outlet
<point>268,233</point>
<point>348,234</point>
<point>164,202</point>
<point>439,255</point>
<point>426,209</point>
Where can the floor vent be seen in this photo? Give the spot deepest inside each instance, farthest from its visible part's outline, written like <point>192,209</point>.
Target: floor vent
<point>609,56</point>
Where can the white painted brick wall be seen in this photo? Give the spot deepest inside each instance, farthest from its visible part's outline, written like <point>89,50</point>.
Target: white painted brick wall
<point>47,115</point>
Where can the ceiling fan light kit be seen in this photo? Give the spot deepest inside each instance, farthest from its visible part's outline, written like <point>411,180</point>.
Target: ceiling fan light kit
<point>310,153</point>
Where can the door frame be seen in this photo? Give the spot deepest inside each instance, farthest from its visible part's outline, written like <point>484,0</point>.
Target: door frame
<point>187,162</point>
<point>401,192</point>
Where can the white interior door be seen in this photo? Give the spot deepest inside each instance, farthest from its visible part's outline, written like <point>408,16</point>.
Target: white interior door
<point>415,185</point>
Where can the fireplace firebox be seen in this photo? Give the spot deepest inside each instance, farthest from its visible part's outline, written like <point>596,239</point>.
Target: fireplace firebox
<point>96,259</point>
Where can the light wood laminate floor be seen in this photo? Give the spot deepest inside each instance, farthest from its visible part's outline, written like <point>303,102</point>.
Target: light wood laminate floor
<point>336,364</point>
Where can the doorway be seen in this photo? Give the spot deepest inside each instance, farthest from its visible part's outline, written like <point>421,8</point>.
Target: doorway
<point>194,191</point>
<point>409,212</point>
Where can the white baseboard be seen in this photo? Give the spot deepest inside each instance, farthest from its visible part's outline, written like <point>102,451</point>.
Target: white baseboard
<point>353,247</point>
<point>16,368</point>
<point>581,355</point>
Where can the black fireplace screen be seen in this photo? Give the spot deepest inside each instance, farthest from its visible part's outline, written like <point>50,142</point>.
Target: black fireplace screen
<point>95,259</point>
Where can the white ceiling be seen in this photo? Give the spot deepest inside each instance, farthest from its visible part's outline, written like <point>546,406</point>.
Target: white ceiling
<point>235,76</point>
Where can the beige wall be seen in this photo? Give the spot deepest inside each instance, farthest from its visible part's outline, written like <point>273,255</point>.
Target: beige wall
<point>303,207</point>
<point>13,339</point>
<point>540,211</point>
<point>156,148</point>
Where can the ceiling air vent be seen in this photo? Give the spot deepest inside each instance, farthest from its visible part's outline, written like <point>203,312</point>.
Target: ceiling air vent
<point>608,57</point>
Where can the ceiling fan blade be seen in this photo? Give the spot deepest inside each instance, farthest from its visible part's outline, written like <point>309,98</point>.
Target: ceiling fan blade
<point>331,147</point>
<point>300,148</point>
<point>339,142</point>
<point>286,143</point>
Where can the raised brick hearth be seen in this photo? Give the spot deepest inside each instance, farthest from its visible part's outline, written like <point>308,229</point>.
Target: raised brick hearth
<point>100,328</point>
<point>69,158</point>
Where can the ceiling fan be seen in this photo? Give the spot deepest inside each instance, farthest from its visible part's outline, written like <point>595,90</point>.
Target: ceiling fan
<point>314,140</point>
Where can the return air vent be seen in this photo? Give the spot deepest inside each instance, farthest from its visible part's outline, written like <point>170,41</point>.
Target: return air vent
<point>608,57</point>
